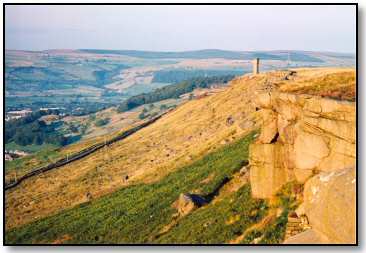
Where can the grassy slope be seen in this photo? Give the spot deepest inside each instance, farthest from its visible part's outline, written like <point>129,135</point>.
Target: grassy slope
<point>211,224</point>
<point>27,163</point>
<point>178,138</point>
<point>273,232</point>
<point>136,213</point>
<point>46,153</point>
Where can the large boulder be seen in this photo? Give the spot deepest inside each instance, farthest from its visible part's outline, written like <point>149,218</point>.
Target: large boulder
<point>330,204</point>
<point>187,202</point>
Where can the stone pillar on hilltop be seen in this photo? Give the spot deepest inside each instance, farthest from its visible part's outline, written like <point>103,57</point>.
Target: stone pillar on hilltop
<point>255,63</point>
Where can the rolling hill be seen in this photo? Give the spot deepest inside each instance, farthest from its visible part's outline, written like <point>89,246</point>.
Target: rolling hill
<point>90,77</point>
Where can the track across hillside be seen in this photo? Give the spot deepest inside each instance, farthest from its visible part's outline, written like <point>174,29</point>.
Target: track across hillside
<point>83,153</point>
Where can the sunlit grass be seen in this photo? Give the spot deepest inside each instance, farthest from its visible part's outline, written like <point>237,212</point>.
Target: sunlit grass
<point>136,213</point>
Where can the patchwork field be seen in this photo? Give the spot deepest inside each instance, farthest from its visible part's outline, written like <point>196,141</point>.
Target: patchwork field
<point>54,78</point>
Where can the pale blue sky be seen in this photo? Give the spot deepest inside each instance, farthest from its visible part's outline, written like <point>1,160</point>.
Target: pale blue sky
<point>178,28</point>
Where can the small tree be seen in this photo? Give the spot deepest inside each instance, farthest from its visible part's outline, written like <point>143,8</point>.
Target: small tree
<point>101,122</point>
<point>92,117</point>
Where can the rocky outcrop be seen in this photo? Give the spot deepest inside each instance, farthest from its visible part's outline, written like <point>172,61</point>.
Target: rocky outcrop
<point>300,136</point>
<point>311,140</point>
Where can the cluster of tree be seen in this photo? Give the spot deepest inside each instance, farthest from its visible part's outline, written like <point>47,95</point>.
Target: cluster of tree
<point>110,93</point>
<point>144,115</point>
<point>58,76</point>
<point>173,91</point>
<point>179,75</point>
<point>103,76</point>
<point>101,122</point>
<point>85,108</point>
<point>71,106</point>
<point>31,130</point>
<point>73,128</point>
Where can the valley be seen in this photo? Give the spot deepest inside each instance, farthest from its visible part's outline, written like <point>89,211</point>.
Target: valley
<point>86,84</point>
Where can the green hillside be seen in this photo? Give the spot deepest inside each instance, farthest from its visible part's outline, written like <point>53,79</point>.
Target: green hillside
<point>138,213</point>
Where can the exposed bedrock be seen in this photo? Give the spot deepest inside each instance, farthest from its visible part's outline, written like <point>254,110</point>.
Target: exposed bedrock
<point>311,140</point>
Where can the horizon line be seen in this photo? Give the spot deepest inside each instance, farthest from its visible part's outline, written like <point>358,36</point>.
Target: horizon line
<point>182,51</point>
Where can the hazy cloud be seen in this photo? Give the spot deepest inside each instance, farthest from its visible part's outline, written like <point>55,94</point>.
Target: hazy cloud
<point>177,28</point>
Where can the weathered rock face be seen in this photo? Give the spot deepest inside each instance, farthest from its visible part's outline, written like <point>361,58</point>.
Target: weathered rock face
<point>330,204</point>
<point>311,140</point>
<point>266,173</point>
<point>301,135</point>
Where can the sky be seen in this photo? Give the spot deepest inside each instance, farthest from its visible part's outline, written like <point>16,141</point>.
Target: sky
<point>180,28</point>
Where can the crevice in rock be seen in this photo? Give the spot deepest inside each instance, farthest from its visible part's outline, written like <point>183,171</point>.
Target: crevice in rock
<point>275,138</point>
